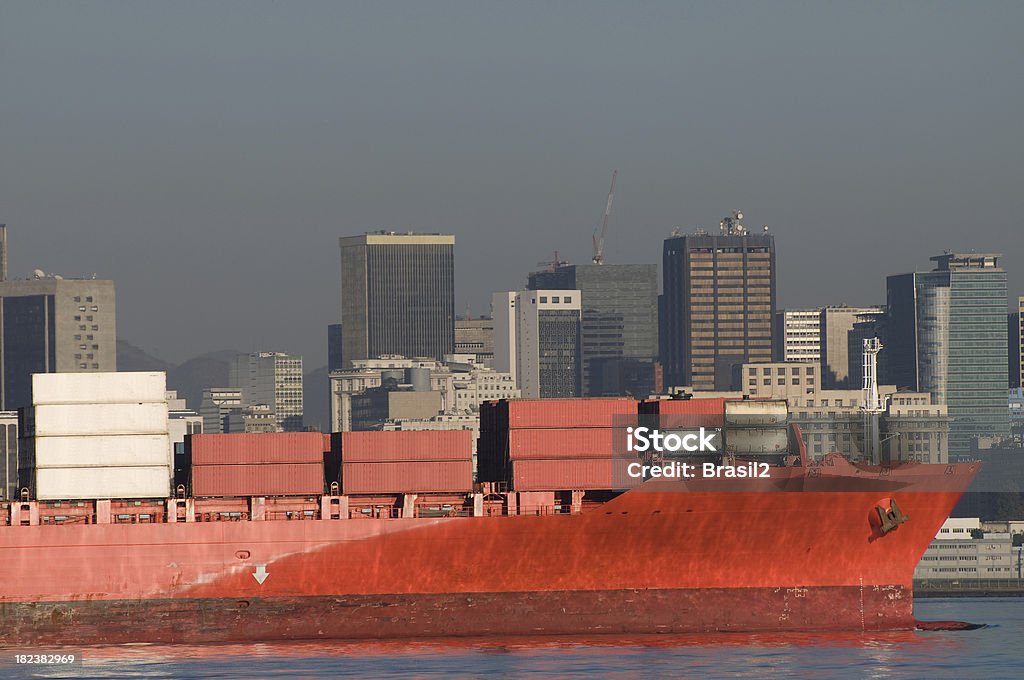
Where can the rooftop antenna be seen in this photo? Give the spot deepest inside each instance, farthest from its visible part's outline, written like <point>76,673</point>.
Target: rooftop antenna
<point>733,225</point>
<point>598,241</point>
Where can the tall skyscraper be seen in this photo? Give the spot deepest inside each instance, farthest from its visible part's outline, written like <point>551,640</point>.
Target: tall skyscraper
<point>797,335</point>
<point>272,379</point>
<point>53,325</point>
<point>718,304</point>
<point>946,335</point>
<point>537,341</point>
<point>843,330</point>
<point>620,313</point>
<point>1016,339</point>
<point>335,360</point>
<point>397,295</point>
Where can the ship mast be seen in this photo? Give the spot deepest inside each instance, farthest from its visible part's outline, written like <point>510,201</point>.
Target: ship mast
<point>873,404</point>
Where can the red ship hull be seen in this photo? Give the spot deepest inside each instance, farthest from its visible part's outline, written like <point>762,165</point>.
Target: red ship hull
<point>801,551</point>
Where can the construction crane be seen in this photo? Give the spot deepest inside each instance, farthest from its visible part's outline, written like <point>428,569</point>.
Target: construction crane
<point>599,240</point>
<point>554,264</point>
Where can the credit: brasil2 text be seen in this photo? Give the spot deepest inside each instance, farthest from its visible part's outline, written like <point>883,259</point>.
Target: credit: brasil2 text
<point>677,470</point>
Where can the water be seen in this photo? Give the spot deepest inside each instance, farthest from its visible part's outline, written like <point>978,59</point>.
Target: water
<point>990,652</point>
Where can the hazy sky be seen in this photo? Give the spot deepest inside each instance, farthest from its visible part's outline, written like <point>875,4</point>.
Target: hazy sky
<point>206,156</point>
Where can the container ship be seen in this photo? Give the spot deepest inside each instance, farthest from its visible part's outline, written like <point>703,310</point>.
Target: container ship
<point>387,535</point>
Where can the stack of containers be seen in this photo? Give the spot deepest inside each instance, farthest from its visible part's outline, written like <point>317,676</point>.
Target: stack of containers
<point>554,444</point>
<point>684,415</point>
<point>96,436</point>
<point>391,462</point>
<point>256,464</point>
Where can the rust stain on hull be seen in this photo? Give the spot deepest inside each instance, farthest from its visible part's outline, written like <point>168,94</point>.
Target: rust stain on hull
<point>714,610</point>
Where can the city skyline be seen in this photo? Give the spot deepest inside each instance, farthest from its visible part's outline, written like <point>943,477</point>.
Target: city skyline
<point>208,202</point>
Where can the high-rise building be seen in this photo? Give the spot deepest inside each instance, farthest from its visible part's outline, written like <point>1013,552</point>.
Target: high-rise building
<point>946,335</point>
<point>217,404</point>
<point>843,330</point>
<point>537,340</point>
<point>53,325</point>
<point>718,304</point>
<point>475,336</point>
<point>397,295</point>
<point>1016,341</point>
<point>797,335</point>
<point>335,360</point>
<point>272,379</point>
<point>620,315</point>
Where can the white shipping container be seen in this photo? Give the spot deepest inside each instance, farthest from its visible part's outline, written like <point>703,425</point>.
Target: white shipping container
<point>67,484</point>
<point>103,451</point>
<point>59,420</point>
<point>99,388</point>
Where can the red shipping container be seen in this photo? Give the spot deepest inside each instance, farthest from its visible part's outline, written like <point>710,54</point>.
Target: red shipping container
<point>566,475</point>
<point>678,413</point>
<point>406,445</point>
<point>563,413</point>
<point>256,447</point>
<point>594,442</point>
<point>269,479</point>
<point>417,477</point>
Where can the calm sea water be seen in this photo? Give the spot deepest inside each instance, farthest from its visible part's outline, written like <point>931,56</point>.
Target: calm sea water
<point>990,652</point>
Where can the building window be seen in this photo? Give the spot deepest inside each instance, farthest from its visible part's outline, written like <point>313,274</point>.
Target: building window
<point>566,299</point>
<point>796,381</point>
<point>95,328</point>
<point>767,381</point>
<point>95,308</point>
<point>95,365</point>
<point>809,370</point>
<point>82,308</point>
<point>83,365</point>
<point>78,337</point>
<point>543,299</point>
<point>88,299</point>
<point>78,317</point>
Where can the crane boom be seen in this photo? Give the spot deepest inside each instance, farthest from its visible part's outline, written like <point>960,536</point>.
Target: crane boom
<point>598,241</point>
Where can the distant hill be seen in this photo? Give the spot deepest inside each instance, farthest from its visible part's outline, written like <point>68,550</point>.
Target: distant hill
<point>199,373</point>
<point>212,369</point>
<point>189,378</point>
<point>132,358</point>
